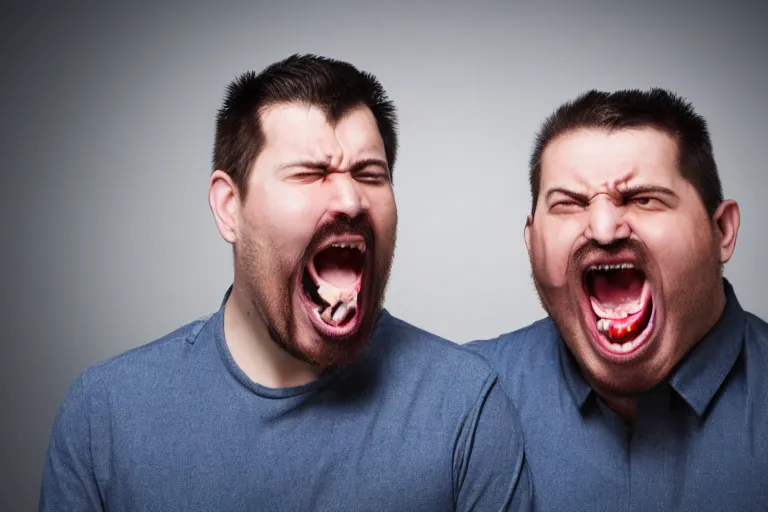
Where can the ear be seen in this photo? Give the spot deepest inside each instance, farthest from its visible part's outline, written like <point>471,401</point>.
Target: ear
<point>225,204</point>
<point>527,233</point>
<point>726,220</point>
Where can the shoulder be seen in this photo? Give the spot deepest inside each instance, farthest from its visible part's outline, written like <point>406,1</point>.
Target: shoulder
<point>520,347</point>
<point>527,361</point>
<point>757,327</point>
<point>131,368</point>
<point>402,341</point>
<point>430,376</point>
<point>756,336</point>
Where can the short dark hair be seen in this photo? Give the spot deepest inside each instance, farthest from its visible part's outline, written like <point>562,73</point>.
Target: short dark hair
<point>332,85</point>
<point>633,108</point>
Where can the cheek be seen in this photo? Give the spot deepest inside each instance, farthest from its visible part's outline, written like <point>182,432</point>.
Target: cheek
<point>551,246</point>
<point>383,212</point>
<point>676,244</point>
<point>289,214</point>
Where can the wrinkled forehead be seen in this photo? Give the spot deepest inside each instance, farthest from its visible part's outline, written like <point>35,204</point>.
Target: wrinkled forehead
<point>591,160</point>
<point>293,129</point>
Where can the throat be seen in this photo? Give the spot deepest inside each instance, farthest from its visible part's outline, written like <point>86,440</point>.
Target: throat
<point>255,352</point>
<point>617,293</point>
<point>339,267</point>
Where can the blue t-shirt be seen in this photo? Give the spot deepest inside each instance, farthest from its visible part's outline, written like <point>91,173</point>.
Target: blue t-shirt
<point>700,441</point>
<point>414,424</point>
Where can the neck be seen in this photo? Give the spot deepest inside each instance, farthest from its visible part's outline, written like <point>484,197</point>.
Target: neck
<point>624,406</point>
<point>254,350</point>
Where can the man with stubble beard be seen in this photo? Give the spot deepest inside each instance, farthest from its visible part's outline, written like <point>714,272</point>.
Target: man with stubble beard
<point>301,392</point>
<point>645,388</point>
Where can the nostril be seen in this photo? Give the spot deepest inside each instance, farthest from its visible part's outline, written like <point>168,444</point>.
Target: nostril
<point>605,229</point>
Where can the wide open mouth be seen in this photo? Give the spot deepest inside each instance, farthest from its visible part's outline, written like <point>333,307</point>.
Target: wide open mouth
<point>332,280</point>
<point>621,301</point>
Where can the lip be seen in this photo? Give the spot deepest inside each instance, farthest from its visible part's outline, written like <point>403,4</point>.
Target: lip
<point>645,341</point>
<point>340,332</point>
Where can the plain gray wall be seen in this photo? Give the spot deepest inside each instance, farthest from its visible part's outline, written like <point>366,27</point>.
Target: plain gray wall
<point>107,128</point>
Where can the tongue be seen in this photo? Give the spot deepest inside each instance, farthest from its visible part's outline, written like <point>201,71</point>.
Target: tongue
<point>620,331</point>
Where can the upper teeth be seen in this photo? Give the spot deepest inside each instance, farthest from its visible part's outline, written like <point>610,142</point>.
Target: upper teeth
<point>616,266</point>
<point>360,246</point>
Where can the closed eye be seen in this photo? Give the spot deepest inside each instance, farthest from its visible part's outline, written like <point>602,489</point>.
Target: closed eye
<point>566,206</point>
<point>562,200</point>
<point>371,176</point>
<point>308,176</point>
<point>372,171</point>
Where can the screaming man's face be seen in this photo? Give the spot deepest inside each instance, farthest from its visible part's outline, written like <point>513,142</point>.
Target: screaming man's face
<point>316,233</point>
<point>625,258</point>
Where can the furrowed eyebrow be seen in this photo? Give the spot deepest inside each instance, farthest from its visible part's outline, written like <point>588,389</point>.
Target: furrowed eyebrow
<point>310,164</point>
<point>570,193</point>
<point>323,166</point>
<point>648,189</point>
<point>627,192</point>
<point>362,164</point>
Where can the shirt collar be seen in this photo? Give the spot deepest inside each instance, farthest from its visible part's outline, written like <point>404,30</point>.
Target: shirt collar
<point>701,372</point>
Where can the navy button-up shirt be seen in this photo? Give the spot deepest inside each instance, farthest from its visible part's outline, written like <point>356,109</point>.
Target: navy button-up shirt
<point>700,441</point>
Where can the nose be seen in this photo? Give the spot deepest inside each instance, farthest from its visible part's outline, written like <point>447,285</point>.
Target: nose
<point>346,196</point>
<point>606,222</point>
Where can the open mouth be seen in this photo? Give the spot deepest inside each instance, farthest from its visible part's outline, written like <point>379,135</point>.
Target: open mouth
<point>622,306</point>
<point>331,284</point>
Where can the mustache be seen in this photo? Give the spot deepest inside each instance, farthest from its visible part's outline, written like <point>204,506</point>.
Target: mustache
<point>592,250</point>
<point>342,225</point>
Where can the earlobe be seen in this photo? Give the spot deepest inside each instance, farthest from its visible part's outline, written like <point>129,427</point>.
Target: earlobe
<point>726,223</point>
<point>224,203</point>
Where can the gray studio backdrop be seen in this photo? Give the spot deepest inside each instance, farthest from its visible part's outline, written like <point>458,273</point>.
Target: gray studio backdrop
<point>107,131</point>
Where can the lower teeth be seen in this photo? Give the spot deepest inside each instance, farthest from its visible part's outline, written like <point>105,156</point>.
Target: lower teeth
<point>603,326</point>
<point>340,313</point>
<point>625,347</point>
<point>334,315</point>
